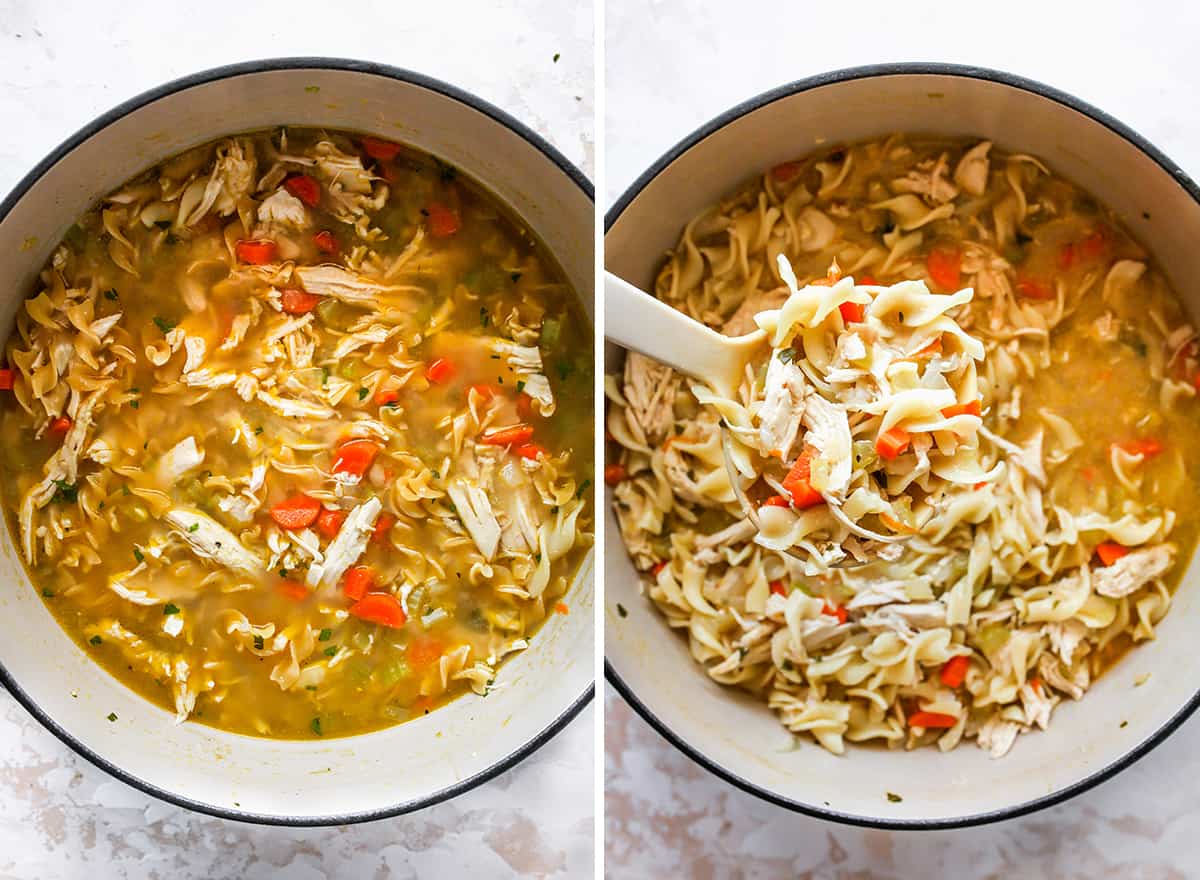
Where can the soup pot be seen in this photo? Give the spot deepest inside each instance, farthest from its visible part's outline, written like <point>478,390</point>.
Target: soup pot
<point>369,776</point>
<point>737,737</point>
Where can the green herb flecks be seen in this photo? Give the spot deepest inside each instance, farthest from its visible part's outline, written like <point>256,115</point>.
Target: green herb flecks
<point>163,324</point>
<point>95,640</point>
<point>65,492</point>
<point>170,608</point>
<point>326,635</point>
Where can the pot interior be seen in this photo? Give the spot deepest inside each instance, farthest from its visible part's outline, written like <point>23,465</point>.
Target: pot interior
<point>402,767</point>
<point>739,737</point>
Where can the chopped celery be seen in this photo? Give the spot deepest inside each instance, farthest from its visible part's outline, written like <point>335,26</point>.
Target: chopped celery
<point>865,455</point>
<point>551,331</point>
<point>992,638</point>
<point>391,672</point>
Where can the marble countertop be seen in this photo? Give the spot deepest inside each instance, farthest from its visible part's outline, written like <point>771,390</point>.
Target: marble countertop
<point>62,64</point>
<point>670,68</point>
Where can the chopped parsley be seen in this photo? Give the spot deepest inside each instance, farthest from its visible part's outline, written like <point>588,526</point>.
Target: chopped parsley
<point>170,608</point>
<point>312,90</point>
<point>436,475</point>
<point>163,224</point>
<point>516,276</point>
<point>331,650</point>
<point>194,527</point>
<point>49,594</point>
<point>283,572</point>
<point>112,294</point>
<point>136,404</point>
<point>137,554</point>
<point>100,506</point>
<point>582,488</point>
<point>65,491</point>
<point>520,385</point>
<point>324,375</point>
<point>258,643</point>
<point>484,317</point>
<point>163,324</point>
<point>448,173</point>
<point>362,393</point>
<point>564,370</point>
<point>621,610</point>
<point>112,716</point>
<point>96,640</point>
<point>787,355</point>
<point>894,798</point>
<point>557,55</point>
<point>316,726</point>
<point>258,430</point>
<point>325,635</point>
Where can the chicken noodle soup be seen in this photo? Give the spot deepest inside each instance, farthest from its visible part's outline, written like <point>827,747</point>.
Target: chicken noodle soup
<point>299,434</point>
<point>937,525</point>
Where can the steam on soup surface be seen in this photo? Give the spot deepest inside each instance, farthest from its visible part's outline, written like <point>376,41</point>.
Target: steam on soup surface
<point>300,433</point>
<point>1030,559</point>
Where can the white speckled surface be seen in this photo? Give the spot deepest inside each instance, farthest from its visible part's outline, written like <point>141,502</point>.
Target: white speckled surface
<point>61,64</point>
<point>670,68</point>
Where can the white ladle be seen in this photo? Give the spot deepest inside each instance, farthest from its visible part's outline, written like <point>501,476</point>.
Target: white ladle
<point>636,320</point>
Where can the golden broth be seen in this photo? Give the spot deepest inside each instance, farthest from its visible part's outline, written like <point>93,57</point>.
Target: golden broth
<point>405,362</point>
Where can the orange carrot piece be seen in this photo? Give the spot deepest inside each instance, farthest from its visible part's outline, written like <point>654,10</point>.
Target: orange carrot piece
<point>425,650</point>
<point>892,442</point>
<point>257,251</point>
<point>852,313</point>
<point>358,582</point>
<point>60,426</point>
<point>835,611</point>
<point>1110,551</point>
<point>383,525</point>
<point>329,522</point>
<point>614,473</point>
<point>797,483</point>
<point>1146,447</point>
<point>305,188</point>
<point>561,608</point>
<point>443,222</point>
<point>1032,288</point>
<point>355,456</point>
<point>517,434</point>
<point>326,243</point>
<point>296,512</point>
<point>778,588</point>
<point>930,720</point>
<point>382,608</point>
<point>440,371</point>
<point>7,379</point>
<point>972,408</point>
<point>533,451</point>
<point>297,302</point>
<point>785,171</point>
<point>777,501</point>
<point>954,671</point>
<point>293,590</point>
<point>944,265</point>
<point>377,148</point>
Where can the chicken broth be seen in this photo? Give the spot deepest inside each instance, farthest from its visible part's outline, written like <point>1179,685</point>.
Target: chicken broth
<point>299,436</point>
<point>1014,509</point>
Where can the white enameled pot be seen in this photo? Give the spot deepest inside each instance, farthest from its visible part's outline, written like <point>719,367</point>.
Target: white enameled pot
<point>737,737</point>
<point>304,782</point>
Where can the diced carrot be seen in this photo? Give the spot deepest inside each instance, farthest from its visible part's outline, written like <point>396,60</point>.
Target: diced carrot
<point>1146,447</point>
<point>1066,257</point>
<point>1095,245</point>
<point>1110,551</point>
<point>930,720</point>
<point>657,567</point>
<point>382,608</point>
<point>293,590</point>
<point>386,395</point>
<point>797,483</point>
<point>7,379</point>
<point>1032,288</point>
<point>867,281</point>
<point>326,243</point>
<point>443,222</point>
<point>297,302</point>
<point>777,501</point>
<point>305,188</point>
<point>440,371</point>
<point>377,148</point>
<point>533,451</point>
<point>1036,684</point>
<point>60,426</point>
<point>525,407</point>
<point>892,442</point>
<point>785,171</point>
<point>486,392</point>
<point>944,265</point>
<point>355,456</point>
<point>852,313</point>
<point>778,588</point>
<point>257,251</point>
<point>971,408</point>
<point>383,525</point>
<point>296,512</point>
<point>425,650</point>
<point>979,485</point>
<point>954,671</point>
<point>358,582</point>
<point>517,434</point>
<point>422,704</point>
<point>561,608</point>
<point>835,611</point>
<point>614,473</point>
<point>329,522</point>
<point>896,525</point>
